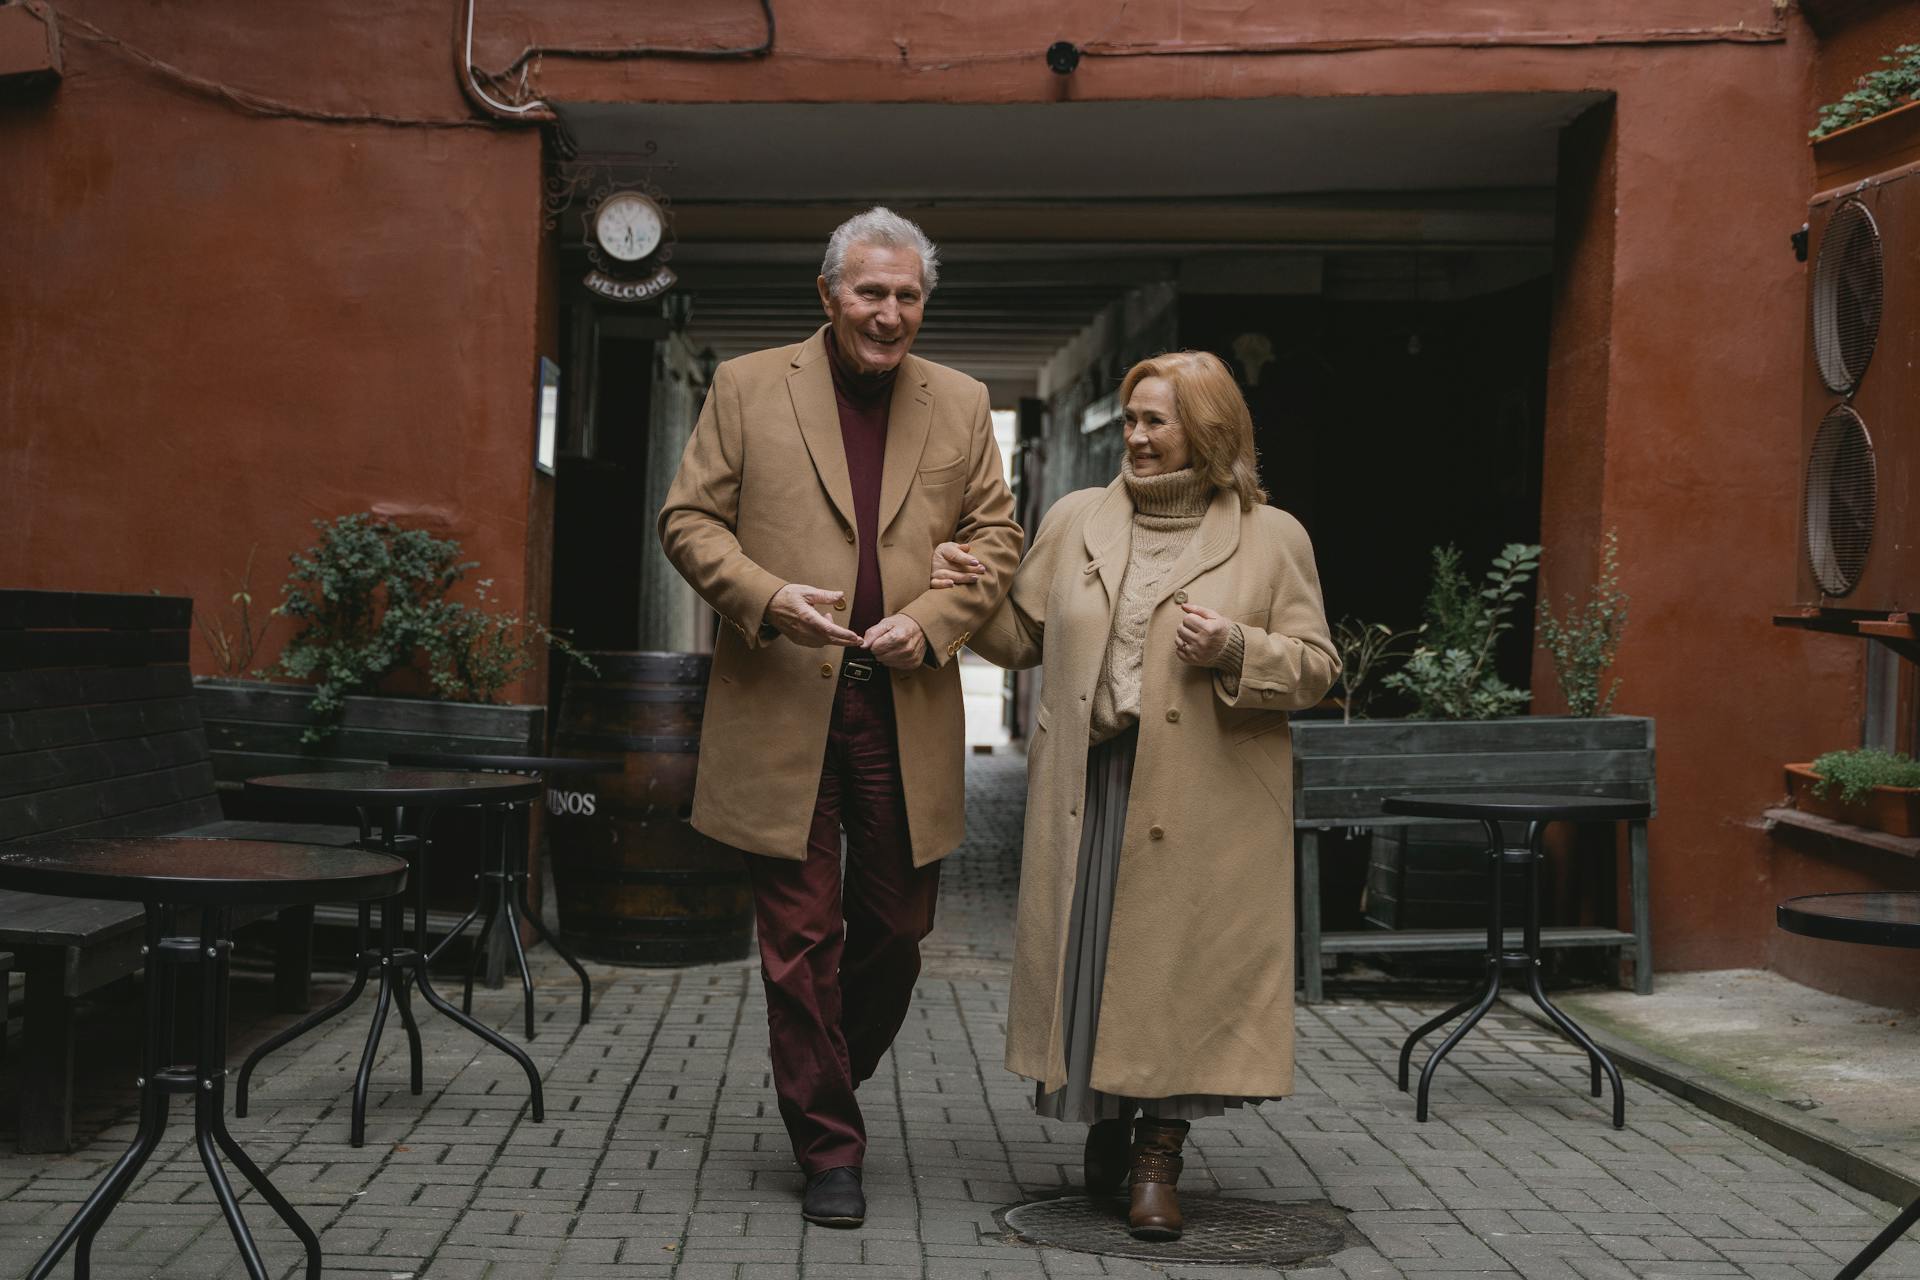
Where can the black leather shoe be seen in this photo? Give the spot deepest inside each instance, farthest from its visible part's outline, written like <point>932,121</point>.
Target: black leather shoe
<point>834,1198</point>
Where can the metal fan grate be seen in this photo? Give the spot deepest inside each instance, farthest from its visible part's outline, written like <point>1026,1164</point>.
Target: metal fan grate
<point>1846,297</point>
<point>1838,507</point>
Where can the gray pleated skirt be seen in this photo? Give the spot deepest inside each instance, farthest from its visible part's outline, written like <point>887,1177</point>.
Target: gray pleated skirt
<point>1089,928</point>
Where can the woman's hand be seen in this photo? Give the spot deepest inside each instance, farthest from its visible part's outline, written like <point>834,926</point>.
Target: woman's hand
<point>954,566</point>
<point>1202,637</point>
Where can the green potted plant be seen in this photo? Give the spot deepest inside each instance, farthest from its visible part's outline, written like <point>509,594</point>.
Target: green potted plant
<point>1865,787</point>
<point>1874,126</point>
<point>392,653</point>
<point>1878,92</point>
<point>1584,640</point>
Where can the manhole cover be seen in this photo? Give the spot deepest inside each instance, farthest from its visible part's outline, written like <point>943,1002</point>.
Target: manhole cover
<point>1218,1229</point>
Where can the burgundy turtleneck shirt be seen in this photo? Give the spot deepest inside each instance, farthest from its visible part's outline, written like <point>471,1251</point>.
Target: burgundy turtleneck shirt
<point>863,400</point>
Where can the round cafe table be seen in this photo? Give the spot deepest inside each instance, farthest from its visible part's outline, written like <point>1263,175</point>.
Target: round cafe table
<point>166,874</point>
<point>1490,809</point>
<point>393,800</point>
<point>1887,919</point>
<point>503,884</point>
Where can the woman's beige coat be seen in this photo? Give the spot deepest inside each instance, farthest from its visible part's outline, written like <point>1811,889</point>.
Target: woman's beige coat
<point>1198,996</point>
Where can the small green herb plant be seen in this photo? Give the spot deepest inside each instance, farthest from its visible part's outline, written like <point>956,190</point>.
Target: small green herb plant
<point>1449,674</point>
<point>1875,93</point>
<point>1584,641</point>
<point>372,598</point>
<point>1859,771</point>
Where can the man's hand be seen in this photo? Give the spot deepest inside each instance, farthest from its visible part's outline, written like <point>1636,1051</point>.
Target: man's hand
<point>897,642</point>
<point>1202,637</point>
<point>795,613</point>
<point>954,565</point>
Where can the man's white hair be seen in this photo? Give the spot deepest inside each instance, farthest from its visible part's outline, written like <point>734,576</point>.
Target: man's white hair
<point>880,226</point>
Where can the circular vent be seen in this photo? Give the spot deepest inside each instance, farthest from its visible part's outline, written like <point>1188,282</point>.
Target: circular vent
<point>1846,297</point>
<point>1838,507</point>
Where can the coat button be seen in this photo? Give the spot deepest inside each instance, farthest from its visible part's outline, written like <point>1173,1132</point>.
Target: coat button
<point>1173,715</point>
<point>826,669</point>
<point>849,535</point>
<point>1266,693</point>
<point>1156,833</point>
<point>839,604</point>
<point>1179,597</point>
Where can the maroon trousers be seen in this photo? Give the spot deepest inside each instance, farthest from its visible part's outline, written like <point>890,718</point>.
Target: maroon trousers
<point>839,961</point>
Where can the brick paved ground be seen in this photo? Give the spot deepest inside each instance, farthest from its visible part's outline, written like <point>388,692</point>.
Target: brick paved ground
<point>661,1155</point>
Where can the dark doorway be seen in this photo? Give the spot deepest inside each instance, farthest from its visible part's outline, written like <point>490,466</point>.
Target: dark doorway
<point>1391,426</point>
<point>600,518</point>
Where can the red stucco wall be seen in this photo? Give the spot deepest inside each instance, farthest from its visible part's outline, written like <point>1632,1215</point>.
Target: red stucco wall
<point>218,326</point>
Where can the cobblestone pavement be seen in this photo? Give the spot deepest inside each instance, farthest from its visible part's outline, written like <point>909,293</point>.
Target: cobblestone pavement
<point>661,1154</point>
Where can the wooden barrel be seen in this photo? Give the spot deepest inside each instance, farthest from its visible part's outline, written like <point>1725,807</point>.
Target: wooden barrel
<point>636,883</point>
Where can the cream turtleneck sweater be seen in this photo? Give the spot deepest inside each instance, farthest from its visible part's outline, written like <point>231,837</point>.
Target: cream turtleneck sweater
<point>1166,513</point>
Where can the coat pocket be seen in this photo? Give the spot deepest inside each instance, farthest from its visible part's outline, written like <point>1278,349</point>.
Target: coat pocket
<point>1257,725</point>
<point>944,472</point>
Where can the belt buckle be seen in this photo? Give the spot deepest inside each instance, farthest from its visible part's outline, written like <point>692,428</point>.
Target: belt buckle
<point>857,670</point>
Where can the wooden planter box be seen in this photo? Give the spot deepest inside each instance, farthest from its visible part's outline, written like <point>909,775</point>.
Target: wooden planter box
<point>1888,141</point>
<point>254,728</point>
<point>1342,772</point>
<point>1894,810</point>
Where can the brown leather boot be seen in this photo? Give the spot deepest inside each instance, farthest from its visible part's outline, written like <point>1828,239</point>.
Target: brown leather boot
<point>1107,1158</point>
<point>1154,1212</point>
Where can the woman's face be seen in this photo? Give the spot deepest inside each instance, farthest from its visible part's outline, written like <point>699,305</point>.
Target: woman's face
<point>1156,442</point>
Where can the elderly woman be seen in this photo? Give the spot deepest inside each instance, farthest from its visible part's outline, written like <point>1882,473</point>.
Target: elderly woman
<point>1177,619</point>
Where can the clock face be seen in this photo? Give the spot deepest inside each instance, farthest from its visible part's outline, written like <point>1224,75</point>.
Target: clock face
<point>628,226</point>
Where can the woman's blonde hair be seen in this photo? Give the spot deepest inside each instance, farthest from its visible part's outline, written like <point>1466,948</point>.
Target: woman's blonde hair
<point>1209,407</point>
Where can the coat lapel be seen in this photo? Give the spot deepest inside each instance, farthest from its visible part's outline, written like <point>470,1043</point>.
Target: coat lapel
<point>909,420</point>
<point>811,386</point>
<point>1213,542</point>
<point>1109,536</point>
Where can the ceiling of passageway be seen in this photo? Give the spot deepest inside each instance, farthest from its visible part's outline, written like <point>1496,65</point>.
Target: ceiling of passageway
<point>1089,150</point>
<point>1048,212</point>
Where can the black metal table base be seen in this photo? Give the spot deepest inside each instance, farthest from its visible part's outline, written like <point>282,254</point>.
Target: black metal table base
<point>503,893</point>
<point>1499,960</point>
<point>402,970</point>
<point>205,1079</point>
<point>1880,1244</point>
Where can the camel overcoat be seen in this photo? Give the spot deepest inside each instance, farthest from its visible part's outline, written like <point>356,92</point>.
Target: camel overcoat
<point>762,498</point>
<point>1198,993</point>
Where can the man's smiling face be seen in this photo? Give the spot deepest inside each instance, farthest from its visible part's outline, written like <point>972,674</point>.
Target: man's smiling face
<point>877,309</point>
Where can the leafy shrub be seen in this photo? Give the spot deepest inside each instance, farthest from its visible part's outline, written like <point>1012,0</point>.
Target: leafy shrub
<point>1584,642</point>
<point>1450,673</point>
<point>373,598</point>
<point>1859,771</point>
<point>1875,93</point>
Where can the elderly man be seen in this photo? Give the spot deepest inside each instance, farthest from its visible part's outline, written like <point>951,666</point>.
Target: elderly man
<point>819,478</point>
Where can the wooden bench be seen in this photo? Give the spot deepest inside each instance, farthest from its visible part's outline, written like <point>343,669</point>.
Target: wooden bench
<point>1343,771</point>
<point>100,735</point>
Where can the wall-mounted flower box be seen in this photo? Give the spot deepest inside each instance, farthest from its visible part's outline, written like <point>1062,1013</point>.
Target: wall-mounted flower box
<point>1888,141</point>
<point>1894,810</point>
